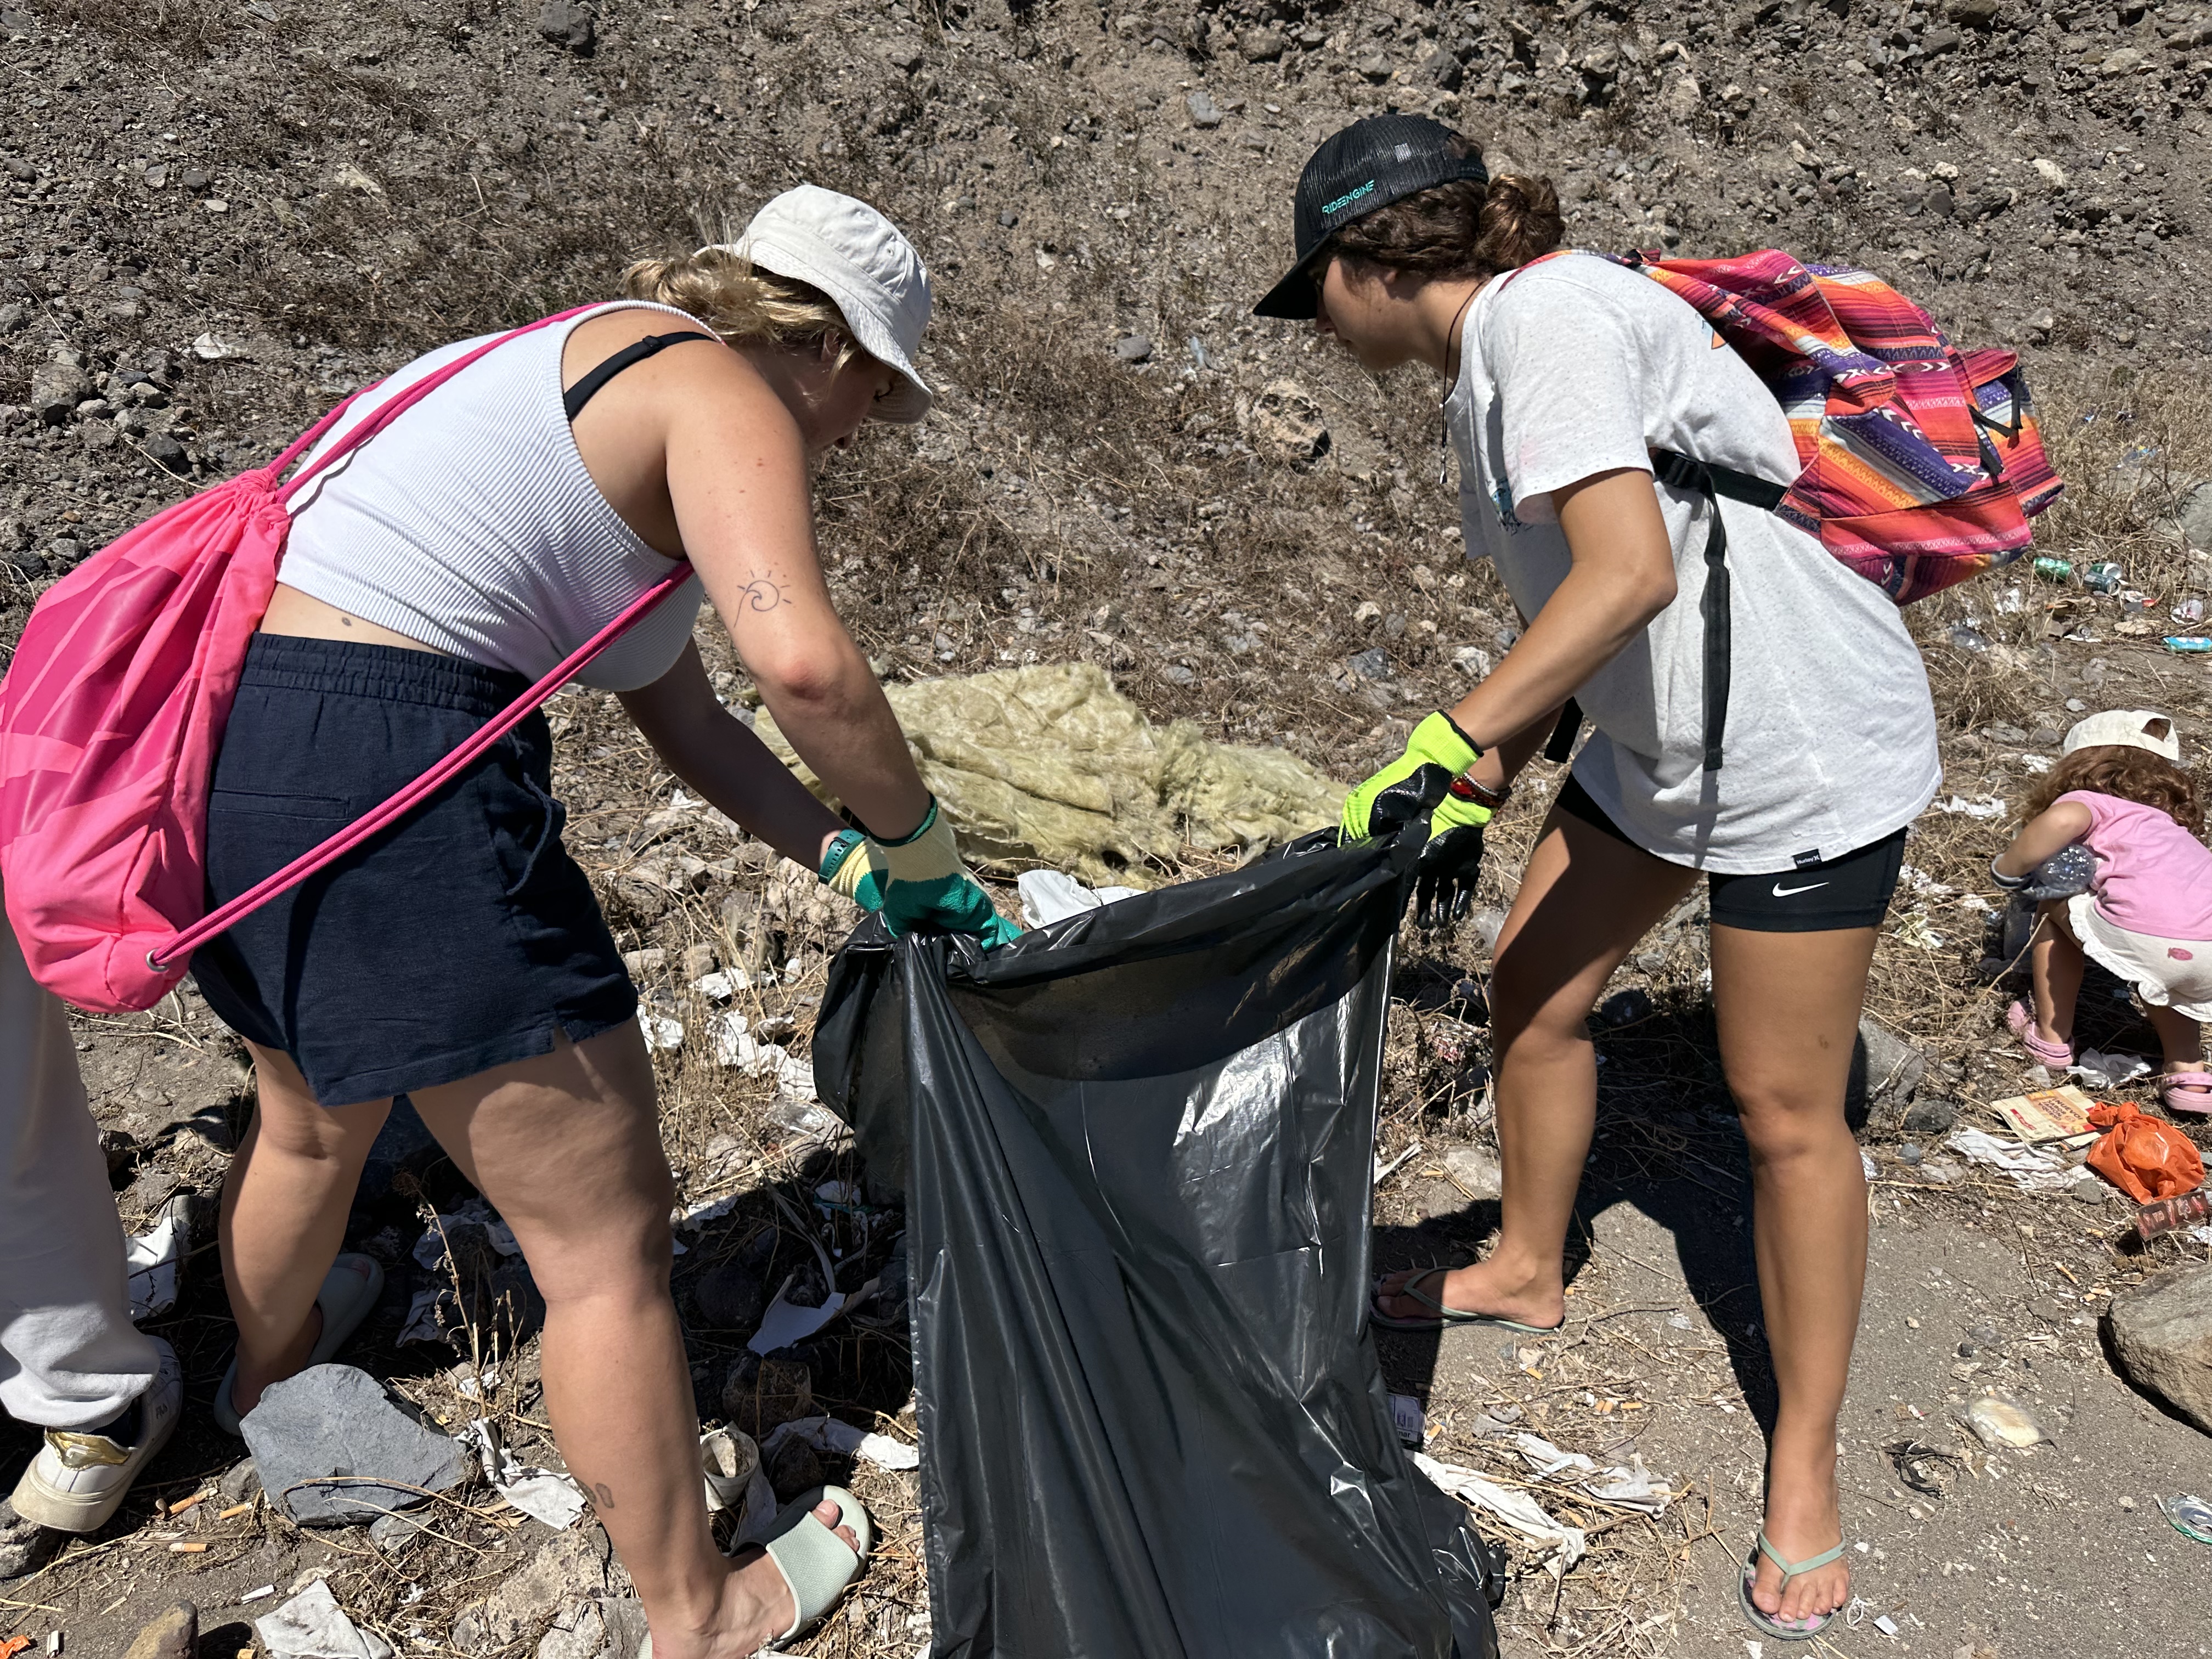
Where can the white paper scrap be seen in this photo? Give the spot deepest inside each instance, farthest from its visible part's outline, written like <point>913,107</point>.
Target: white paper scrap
<point>541,1494</point>
<point>312,1625</point>
<point>2031,1171</point>
<point>1981,806</point>
<point>1631,1487</point>
<point>1517,1509</point>
<point>785,1322</point>
<point>153,1259</point>
<point>1409,1420</point>
<point>2103,1071</point>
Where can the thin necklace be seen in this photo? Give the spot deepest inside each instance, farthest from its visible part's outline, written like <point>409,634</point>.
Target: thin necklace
<point>1443,425</point>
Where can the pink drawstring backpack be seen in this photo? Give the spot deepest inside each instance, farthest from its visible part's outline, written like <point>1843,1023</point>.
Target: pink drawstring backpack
<point>113,708</point>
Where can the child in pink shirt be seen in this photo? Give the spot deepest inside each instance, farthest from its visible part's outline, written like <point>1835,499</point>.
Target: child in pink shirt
<point>2145,916</point>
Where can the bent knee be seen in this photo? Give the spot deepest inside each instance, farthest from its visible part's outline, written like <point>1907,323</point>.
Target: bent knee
<point>624,1250</point>
<point>1781,1126</point>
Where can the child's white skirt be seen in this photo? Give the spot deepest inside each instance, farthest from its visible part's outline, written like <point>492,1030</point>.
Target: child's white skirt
<point>2170,973</point>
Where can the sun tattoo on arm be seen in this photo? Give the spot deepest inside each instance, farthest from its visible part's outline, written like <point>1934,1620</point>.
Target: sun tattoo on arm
<point>762,592</point>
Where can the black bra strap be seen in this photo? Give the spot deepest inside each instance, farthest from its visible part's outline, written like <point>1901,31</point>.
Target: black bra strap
<point>581,394</point>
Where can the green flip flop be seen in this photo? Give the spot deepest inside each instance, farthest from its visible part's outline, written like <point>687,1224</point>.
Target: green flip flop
<point>814,1561</point>
<point>1445,1317</point>
<point>1783,1630</point>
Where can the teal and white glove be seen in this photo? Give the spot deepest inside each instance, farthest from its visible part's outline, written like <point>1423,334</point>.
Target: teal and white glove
<point>917,881</point>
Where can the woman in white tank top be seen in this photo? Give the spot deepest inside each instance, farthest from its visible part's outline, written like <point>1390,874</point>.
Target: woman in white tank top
<point>460,958</point>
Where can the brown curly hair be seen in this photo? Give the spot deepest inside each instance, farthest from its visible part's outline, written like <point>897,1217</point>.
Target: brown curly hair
<point>2127,773</point>
<point>1458,229</point>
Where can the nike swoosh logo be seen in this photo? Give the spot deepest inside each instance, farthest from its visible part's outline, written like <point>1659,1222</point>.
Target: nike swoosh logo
<point>1780,891</point>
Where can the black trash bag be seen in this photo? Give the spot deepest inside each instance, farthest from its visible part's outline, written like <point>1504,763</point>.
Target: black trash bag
<point>1137,1150</point>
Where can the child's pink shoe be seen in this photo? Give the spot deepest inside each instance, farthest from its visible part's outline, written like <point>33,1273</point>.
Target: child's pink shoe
<point>2057,1055</point>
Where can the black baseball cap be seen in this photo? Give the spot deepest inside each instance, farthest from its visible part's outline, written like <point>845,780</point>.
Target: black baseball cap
<point>1368,165</point>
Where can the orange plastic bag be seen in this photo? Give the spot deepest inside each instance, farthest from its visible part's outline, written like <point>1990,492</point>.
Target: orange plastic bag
<point>2145,1158</point>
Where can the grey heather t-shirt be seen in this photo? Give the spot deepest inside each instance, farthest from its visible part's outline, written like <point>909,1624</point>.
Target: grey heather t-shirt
<point>1578,367</point>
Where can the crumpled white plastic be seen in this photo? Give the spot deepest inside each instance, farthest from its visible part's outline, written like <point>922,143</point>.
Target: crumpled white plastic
<point>1633,1487</point>
<point>312,1625</point>
<point>541,1494</point>
<point>2104,1070</point>
<point>2031,1171</point>
<point>1048,896</point>
<point>1566,1544</point>
<point>829,1434</point>
<point>430,1249</point>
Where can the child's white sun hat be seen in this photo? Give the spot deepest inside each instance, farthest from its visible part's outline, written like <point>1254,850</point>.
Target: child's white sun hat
<point>2131,728</point>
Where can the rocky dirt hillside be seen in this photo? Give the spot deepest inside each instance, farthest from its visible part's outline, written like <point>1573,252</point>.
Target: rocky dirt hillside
<point>218,219</point>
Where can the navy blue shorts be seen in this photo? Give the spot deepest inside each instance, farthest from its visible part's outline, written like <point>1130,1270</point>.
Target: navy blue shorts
<point>460,939</point>
<point>1852,891</point>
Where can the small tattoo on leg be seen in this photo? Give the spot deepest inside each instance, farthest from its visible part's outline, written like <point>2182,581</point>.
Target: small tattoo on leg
<point>605,1493</point>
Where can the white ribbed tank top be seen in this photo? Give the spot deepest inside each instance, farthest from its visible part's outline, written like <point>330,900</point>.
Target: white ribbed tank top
<point>471,524</point>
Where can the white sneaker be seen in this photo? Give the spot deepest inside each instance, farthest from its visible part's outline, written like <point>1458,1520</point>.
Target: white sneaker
<point>78,1481</point>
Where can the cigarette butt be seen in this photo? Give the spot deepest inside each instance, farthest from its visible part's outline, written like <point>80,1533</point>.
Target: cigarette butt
<point>188,1549</point>
<point>236,1510</point>
<point>184,1504</point>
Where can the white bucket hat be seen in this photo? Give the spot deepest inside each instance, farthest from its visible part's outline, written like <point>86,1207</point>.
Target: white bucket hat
<point>2131,728</point>
<point>862,261</point>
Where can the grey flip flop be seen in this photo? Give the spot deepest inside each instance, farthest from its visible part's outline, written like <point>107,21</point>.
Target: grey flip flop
<point>348,1295</point>
<point>1782,1630</point>
<point>814,1561</point>
<point>1451,1317</point>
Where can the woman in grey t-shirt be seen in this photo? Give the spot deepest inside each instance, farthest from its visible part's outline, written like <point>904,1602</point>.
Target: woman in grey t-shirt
<point>1562,377</point>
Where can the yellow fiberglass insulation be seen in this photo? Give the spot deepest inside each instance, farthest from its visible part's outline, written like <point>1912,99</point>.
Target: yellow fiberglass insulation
<point>1052,767</point>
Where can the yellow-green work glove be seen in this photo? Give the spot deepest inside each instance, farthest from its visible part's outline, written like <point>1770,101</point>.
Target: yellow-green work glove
<point>1425,782</point>
<point>917,881</point>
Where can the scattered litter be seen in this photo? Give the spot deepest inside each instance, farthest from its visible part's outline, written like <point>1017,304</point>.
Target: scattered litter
<point>1631,1487</point>
<point>2144,1157</point>
<point>2172,1215</point>
<point>2190,1516</point>
<point>153,1259</point>
<point>261,1595</point>
<point>721,986</point>
<point>2103,1071</point>
<point>1565,1544</point>
<point>539,1493</point>
<point>829,1434</point>
<point>1866,1164</point>
<point>1048,896</point>
<point>699,1214</point>
<point>1980,806</point>
<point>2191,643</point>
<point>799,1117</point>
<point>1995,1422</point>
<point>2103,577</point>
<point>1927,1469</point>
<point>2047,1115</point>
<point>209,349</point>
<point>430,1249</point>
<point>2189,611</point>
<point>1884,1624</point>
<point>1384,1171</point>
<point>736,1482</point>
<point>312,1625</point>
<point>1409,1420</point>
<point>663,1036</point>
<point>2031,1171</point>
<point>1967,637</point>
<point>53,1640</point>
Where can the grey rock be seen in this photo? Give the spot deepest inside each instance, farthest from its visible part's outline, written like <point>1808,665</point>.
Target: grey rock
<point>2193,512</point>
<point>1134,348</point>
<point>1008,219</point>
<point>14,24</point>
<point>1931,1114</point>
<point>164,451</point>
<point>24,562</point>
<point>240,1481</point>
<point>564,22</point>
<point>1204,112</point>
<point>1975,14</point>
<point>1937,42</point>
<point>1475,1171</point>
<point>24,1544</point>
<point>759,1394</point>
<point>574,1566</point>
<point>1371,664</point>
<point>579,1632</point>
<point>1375,69</point>
<point>336,1421</point>
<point>1262,45</point>
<point>730,1296</point>
<point>12,319</point>
<point>56,390</point>
<point>1885,1076</point>
<point>903,56</point>
<point>395,1533</point>
<point>2161,1335</point>
<point>1444,72</point>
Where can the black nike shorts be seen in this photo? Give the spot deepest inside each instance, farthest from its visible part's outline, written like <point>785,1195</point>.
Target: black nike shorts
<point>1850,892</point>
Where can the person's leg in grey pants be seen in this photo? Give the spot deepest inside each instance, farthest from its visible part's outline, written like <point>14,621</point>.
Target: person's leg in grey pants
<point>70,1361</point>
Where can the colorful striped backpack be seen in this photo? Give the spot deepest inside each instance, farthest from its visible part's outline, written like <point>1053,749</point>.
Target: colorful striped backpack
<point>1919,465</point>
